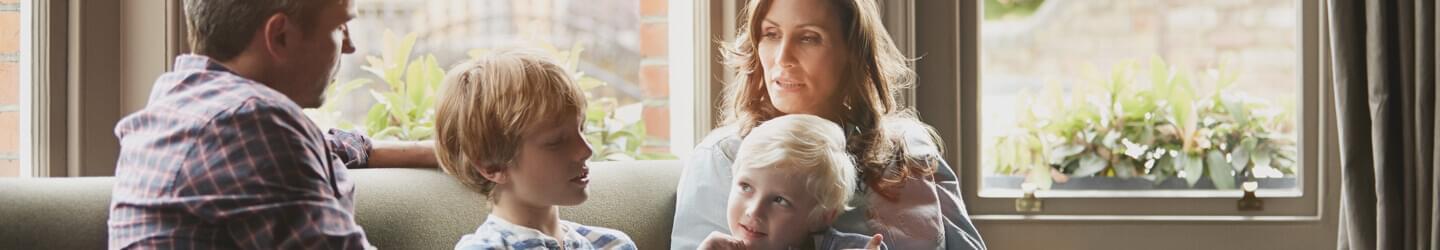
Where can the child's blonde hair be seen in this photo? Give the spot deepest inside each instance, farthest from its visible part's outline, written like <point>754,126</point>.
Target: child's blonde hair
<point>811,145</point>
<point>487,103</point>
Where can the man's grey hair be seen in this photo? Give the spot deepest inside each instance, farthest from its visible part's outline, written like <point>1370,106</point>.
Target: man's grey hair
<point>221,29</point>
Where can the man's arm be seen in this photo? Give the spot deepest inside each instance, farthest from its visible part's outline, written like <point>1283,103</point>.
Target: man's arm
<point>358,151</point>
<point>403,154</point>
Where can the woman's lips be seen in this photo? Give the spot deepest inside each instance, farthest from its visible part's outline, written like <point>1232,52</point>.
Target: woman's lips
<point>787,84</point>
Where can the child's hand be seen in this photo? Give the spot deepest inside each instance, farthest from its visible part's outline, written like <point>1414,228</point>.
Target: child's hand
<point>874,242</point>
<point>720,241</point>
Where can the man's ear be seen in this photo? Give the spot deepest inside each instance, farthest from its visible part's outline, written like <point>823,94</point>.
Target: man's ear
<point>495,174</point>
<point>276,36</point>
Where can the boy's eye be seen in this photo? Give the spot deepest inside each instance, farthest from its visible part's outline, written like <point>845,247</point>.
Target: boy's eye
<point>745,187</point>
<point>555,142</point>
<point>781,201</point>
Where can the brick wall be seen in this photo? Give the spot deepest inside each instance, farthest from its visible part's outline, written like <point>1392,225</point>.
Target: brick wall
<point>655,73</point>
<point>9,88</point>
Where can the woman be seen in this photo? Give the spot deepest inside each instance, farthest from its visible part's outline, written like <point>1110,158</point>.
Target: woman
<point>833,59</point>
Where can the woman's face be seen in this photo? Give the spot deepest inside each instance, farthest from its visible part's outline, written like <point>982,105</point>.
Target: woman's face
<point>802,53</point>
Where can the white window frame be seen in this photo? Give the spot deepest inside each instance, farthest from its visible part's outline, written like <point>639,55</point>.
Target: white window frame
<point>957,120</point>
<point>691,61</point>
<point>43,94</point>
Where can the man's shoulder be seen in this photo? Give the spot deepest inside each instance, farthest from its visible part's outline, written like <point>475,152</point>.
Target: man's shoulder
<point>214,93</point>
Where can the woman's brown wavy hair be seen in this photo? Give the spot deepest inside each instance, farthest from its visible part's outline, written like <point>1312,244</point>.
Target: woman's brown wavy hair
<point>876,71</point>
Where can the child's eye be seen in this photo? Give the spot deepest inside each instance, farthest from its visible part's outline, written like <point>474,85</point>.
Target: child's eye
<point>745,187</point>
<point>781,201</point>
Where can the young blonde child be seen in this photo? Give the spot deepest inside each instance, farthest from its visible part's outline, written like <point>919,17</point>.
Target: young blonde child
<point>508,124</point>
<point>792,178</point>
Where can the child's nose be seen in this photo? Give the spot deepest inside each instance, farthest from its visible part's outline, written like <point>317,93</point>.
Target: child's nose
<point>585,151</point>
<point>755,208</point>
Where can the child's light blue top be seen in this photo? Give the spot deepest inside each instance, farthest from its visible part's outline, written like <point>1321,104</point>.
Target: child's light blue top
<point>497,233</point>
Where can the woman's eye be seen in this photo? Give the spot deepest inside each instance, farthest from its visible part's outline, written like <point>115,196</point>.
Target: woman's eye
<point>810,39</point>
<point>771,35</point>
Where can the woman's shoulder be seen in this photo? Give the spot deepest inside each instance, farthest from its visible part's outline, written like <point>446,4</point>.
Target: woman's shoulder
<point>724,140</point>
<point>919,138</point>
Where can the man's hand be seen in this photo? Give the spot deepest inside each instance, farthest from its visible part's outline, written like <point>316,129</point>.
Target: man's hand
<point>720,241</point>
<point>403,154</point>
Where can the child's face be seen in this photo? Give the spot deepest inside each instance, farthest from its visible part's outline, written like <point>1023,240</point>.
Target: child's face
<point>550,166</point>
<point>770,208</point>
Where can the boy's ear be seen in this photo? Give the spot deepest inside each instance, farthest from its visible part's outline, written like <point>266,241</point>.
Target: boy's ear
<point>826,219</point>
<point>495,174</point>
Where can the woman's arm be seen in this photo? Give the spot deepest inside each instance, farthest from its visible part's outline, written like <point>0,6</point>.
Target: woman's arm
<point>960,232</point>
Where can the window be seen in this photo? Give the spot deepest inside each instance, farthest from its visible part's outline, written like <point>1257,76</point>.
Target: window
<point>1149,110</point>
<point>621,47</point>
<point>1139,95</point>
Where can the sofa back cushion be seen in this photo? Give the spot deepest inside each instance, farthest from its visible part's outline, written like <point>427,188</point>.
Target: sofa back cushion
<point>54,213</point>
<point>398,208</point>
<point>425,209</point>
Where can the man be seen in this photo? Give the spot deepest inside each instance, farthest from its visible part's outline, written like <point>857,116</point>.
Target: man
<point>222,156</point>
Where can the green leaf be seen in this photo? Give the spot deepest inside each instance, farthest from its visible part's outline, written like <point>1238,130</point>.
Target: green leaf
<point>387,133</point>
<point>376,120</point>
<point>1237,111</point>
<point>1039,174</point>
<point>1220,171</point>
<point>422,133</point>
<point>1124,169</point>
<point>1163,169</point>
<point>1193,166</point>
<point>1090,164</point>
<point>1060,152</point>
<point>1160,76</point>
<point>1241,155</point>
<point>1262,157</point>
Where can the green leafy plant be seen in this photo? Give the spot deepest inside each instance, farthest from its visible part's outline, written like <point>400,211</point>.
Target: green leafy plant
<point>405,107</point>
<point>1169,125</point>
<point>1008,9</point>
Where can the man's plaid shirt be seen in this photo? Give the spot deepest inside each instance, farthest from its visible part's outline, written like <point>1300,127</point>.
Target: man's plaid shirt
<point>219,161</point>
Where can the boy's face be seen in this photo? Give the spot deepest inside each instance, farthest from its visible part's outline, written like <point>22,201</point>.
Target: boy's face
<point>550,168</point>
<point>770,208</point>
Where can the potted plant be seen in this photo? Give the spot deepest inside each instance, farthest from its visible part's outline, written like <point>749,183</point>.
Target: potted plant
<point>405,106</point>
<point>1127,131</point>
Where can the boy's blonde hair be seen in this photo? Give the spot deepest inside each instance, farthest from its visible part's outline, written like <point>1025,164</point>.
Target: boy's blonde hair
<point>808,144</point>
<point>485,106</point>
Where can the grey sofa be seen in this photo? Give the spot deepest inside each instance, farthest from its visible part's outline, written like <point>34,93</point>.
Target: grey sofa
<point>399,208</point>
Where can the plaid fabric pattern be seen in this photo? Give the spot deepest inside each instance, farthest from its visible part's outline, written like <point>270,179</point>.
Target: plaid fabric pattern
<point>497,233</point>
<point>219,161</point>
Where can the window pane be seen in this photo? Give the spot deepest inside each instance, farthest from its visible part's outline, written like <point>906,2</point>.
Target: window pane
<point>1139,95</point>
<point>622,55</point>
<point>10,89</point>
